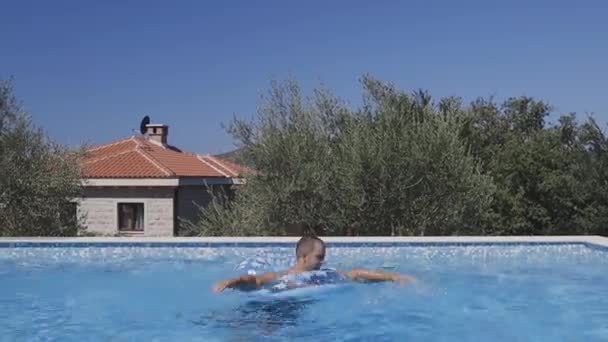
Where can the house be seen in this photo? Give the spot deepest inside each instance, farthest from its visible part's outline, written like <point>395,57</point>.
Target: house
<point>141,185</point>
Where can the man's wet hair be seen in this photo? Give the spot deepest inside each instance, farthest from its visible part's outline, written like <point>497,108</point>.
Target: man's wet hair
<point>306,245</point>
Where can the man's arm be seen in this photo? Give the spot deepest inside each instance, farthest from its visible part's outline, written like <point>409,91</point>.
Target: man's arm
<point>246,282</point>
<point>362,274</point>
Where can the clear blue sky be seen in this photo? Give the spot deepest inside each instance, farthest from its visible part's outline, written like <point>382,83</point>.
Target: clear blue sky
<point>87,71</point>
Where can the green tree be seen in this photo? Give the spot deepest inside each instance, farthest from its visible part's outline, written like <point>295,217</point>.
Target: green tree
<point>409,171</point>
<point>403,164</point>
<point>40,179</point>
<point>396,166</point>
<point>541,173</point>
<point>593,173</point>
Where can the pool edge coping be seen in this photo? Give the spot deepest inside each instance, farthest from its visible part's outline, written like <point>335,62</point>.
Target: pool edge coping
<point>584,239</point>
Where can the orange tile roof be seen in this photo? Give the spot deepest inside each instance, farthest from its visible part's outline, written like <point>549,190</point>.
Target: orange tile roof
<point>138,157</point>
<point>227,166</point>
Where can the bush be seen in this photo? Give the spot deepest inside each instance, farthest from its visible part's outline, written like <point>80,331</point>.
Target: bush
<point>40,179</point>
<point>395,166</point>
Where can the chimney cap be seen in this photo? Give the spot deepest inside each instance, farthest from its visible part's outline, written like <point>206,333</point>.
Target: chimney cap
<point>157,133</point>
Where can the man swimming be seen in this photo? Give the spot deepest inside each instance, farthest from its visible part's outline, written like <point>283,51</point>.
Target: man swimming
<point>310,253</point>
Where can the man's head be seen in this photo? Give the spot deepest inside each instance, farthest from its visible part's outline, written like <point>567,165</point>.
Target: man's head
<point>310,252</point>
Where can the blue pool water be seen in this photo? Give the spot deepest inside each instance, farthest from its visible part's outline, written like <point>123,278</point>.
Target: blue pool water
<point>465,293</point>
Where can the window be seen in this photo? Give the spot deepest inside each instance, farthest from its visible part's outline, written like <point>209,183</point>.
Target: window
<point>131,216</point>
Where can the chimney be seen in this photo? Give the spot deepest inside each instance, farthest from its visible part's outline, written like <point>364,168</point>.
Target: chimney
<point>157,133</point>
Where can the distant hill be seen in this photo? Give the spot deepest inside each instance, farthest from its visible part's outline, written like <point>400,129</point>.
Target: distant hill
<point>236,156</point>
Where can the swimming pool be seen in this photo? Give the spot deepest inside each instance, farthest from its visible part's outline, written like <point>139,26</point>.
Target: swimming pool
<point>538,290</point>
